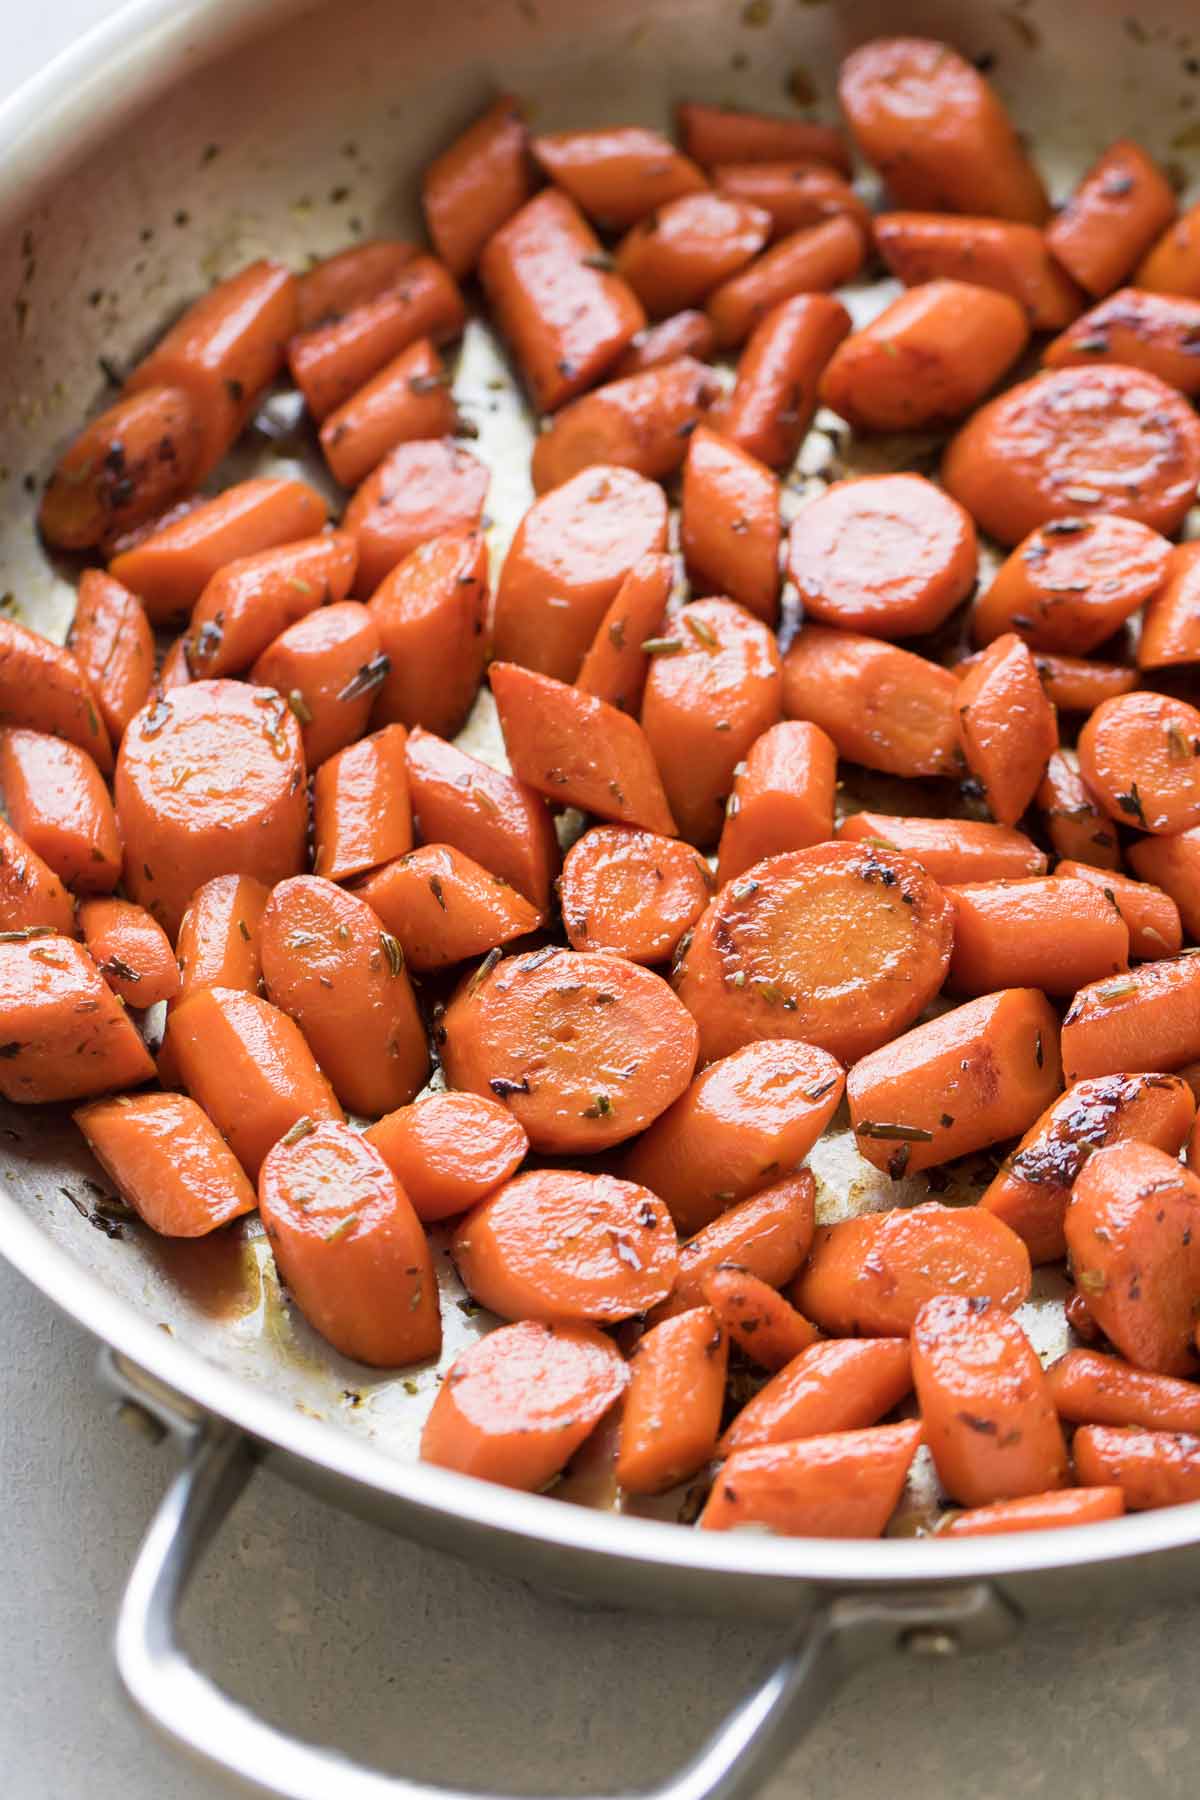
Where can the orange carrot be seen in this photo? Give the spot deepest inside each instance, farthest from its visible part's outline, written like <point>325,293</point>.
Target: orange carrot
<point>43,688</point>
<point>813,260</point>
<point>721,134</point>
<point>58,803</point>
<point>1173,862</point>
<point>111,640</point>
<point>1171,624</point>
<point>1090,1389</point>
<point>167,1161</point>
<point>329,667</point>
<point>1151,1468</point>
<point>332,362</point>
<point>362,816</point>
<point>758,1320</point>
<point>631,892</point>
<point>1116,213</point>
<point>1062,1507</point>
<point>767,1236</point>
<point>672,1412</point>
<point>782,799</point>
<point>496,821</point>
<point>729,524</point>
<point>173,671</point>
<point>218,943</point>
<point>775,394</point>
<point>1007,726</point>
<point>131,950</point>
<point>843,1485</point>
<point>1055,935</point>
<point>1157,332</point>
<point>951,850</point>
<point>1073,582</point>
<point>640,422</point>
<point>476,184</point>
<point>64,1033</point>
<point>993,253</point>
<point>1147,1019</point>
<point>32,898</point>
<point>409,398</point>
<point>1073,684</point>
<point>138,457</point>
<point>794,194</point>
<point>617,175</point>
<point>427,489</point>
<point>1172,265</point>
<point>249,602</point>
<point>616,666</point>
<point>341,282</point>
<point>1076,827</point>
<point>1152,916</point>
<point>839,1386</point>
<point>1139,755</point>
<point>449,1151</point>
<point>684,249</point>
<point>686,333</point>
<point>882,706</point>
<point>443,908</point>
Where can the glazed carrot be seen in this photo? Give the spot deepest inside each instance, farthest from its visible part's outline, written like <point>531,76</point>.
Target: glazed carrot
<point>111,640</point>
<point>686,333</point>
<point>1151,1468</point>
<point>951,850</point>
<point>329,963</point>
<point>362,815</point>
<point>249,1067</point>
<point>763,963</point>
<point>631,892</point>
<point>729,524</point>
<point>1158,332</point>
<point>341,282</point>
<point>1116,213</point>
<point>992,253</point>
<point>554,298</point>
<point>218,942</point>
<point>989,1418</point>
<point>329,667</point>
<point>1077,828</point>
<point>1150,913</point>
<point>1071,583</point>
<point>672,1412</point>
<point>871,1275</point>
<point>43,688</point>
<point>1174,863</point>
<point>494,819</point>
<point>782,799</point>
<point>409,398</point>
<point>249,602</point>
<point>210,781</point>
<point>568,557</point>
<point>443,908</point>
<point>937,131</point>
<point>843,1485</point>
<point>767,1236</point>
<point>1073,684</point>
<point>743,1122</point>
<point>57,801</point>
<point>427,489</point>
<point>1071,443</point>
<point>516,1405</point>
<point>169,570</point>
<point>123,468</point>
<point>890,555</point>
<point>1147,1019</point>
<point>721,134</point>
<point>1090,1389</point>
<point>616,666</point>
<point>882,706</point>
<point>167,1161</point>
<point>971,1077</point>
<point>641,422</point>
<point>577,750</point>
<point>775,394</point>
<point>623,1254</point>
<point>758,1320</point>
<point>349,1246</point>
<point>1061,1508</point>
<point>1172,265</point>
<point>1171,624</point>
<point>927,358</point>
<point>449,1151</point>
<point>1138,755</point>
<point>131,950</point>
<point>330,363</point>
<point>794,194</point>
<point>32,898</point>
<point>714,687</point>
<point>477,183</point>
<point>683,250</point>
<point>223,352</point>
<point>1007,726</point>
<point>1055,935</point>
<point>173,671</point>
<point>839,1386</point>
<point>619,174</point>
<point>809,261</point>
<point>585,1049</point>
<point>65,1034</point>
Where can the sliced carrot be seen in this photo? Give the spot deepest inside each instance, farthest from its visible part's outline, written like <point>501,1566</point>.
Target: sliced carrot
<point>449,1151</point>
<point>1090,1389</point>
<point>168,1161</point>
<point>341,282</point>
<point>632,892</point>
<point>585,1049</point>
<point>721,134</point>
<point>1077,828</point>
<point>131,950</point>
<point>844,1485</point>
<point>138,457</point>
<point>427,489</point>
<point>1078,1316</point>
<point>1055,935</point>
<point>672,1412</point>
<point>619,174</point>
<point>1151,1468</point>
<point>328,962</point>
<point>1171,624</point>
<point>622,1256</point>
<point>758,1320</point>
<point>1116,213</point>
<point>43,688</point>
<point>714,686</point>
<point>1061,1508</point>
<point>494,819</point>
<point>516,1406</point>
<point>1073,684</point>
<point>744,1122</point>
<point>640,422</point>
<point>1140,755</point>
<point>1174,863</point>
<point>813,260</point>
<point>1073,582</point>
<point>568,558</point>
<point>782,799</point>
<point>767,1235</point>
<point>775,394</point>
<point>686,333</point>
<point>443,908</point>
<point>794,194</point>
<point>475,185</point>
<point>362,816</point>
<point>838,1386</point>
<point>173,671</point>
<point>1147,1019</point>
<point>409,398</point>
<point>994,253</point>
<point>951,850</point>
<point>616,665</point>
<point>1157,332</point>
<point>729,524</point>
<point>32,898</point>
<point>332,362</point>
<point>249,602</point>
<point>329,667</point>
<point>841,945</point>
<point>1008,728</point>
<point>1151,915</point>
<point>430,613</point>
<point>684,249</point>
<point>57,801</point>
<point>63,1032</point>
<point>218,943</point>
<point>962,1081</point>
<point>1172,265</point>
<point>111,640</point>
<point>882,706</point>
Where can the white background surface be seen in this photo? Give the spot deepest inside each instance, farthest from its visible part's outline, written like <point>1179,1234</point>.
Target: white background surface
<point>402,1656</point>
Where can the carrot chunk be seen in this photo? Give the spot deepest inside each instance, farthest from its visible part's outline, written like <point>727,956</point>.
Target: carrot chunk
<point>131,462</point>
<point>1090,1389</point>
<point>430,612</point>
<point>813,260</point>
<point>1062,1507</point>
<point>1155,928</point>
<point>421,490</point>
<point>111,640</point>
<point>341,282</point>
<point>1146,1020</point>
<point>1172,265</point>
<point>43,688</point>
<point>767,1236</point>
<point>683,250</point>
<point>63,1032</point>
<point>672,1412</point>
<point>58,803</point>
<point>883,707</point>
<point>722,134</point>
<point>729,524</point>
<point>951,850</point>
<point>793,193</point>
<point>449,1151</point>
<point>775,394</point>
<point>631,892</point>
<point>758,1320</point>
<point>642,422</point>
<point>409,398</point>
<point>686,333</point>
<point>1171,623</point>
<point>1073,684</point>
<point>332,362</point>
<point>1055,935</point>
<point>32,898</point>
<point>328,666</point>
<point>1117,212</point>
<point>1151,1468</point>
<point>168,1161</point>
<point>443,908</point>
<point>477,183</point>
<point>131,950</point>
<point>495,820</point>
<point>844,1485</point>
<point>1007,726</point>
<point>994,253</point>
<point>782,799</point>
<point>1073,582</point>
<point>617,175</point>
<point>1075,825</point>
<point>839,1386</point>
<point>362,815</point>
<point>1157,332</point>
<point>1140,755</point>
<point>617,663</point>
<point>249,602</point>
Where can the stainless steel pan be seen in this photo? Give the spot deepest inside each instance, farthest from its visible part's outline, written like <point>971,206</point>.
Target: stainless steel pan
<point>168,146</point>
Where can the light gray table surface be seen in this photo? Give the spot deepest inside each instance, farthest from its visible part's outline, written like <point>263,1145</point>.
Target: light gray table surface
<point>397,1654</point>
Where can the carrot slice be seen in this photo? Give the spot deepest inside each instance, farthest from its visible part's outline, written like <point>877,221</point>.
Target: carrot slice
<point>32,898</point>
<point>742,1123</point>
<point>993,253</point>
<point>871,1275</point>
<point>841,945</point>
<point>729,524</point>
<point>131,950</point>
<point>775,394</point>
<point>1152,916</point>
<point>714,687</point>
<point>516,1406</point>
<point>1171,624</point>
<point>332,362</point>
<point>421,490</point>
<point>794,194</point>
<point>64,1034</point>
<point>43,688</point>
<point>477,183</point>
<point>218,943</point>
<point>58,803</point>
<point>496,821</point>
<point>1173,862</point>
<point>168,1161</point>
<point>844,1485</point>
<point>409,398</point>
<point>618,174</point>
<point>686,333</point>
<point>1157,332</point>
<point>1074,685</point>
<point>1056,935</point>
<point>139,456</point>
<point>430,612</point>
<point>838,1386</point>
<point>810,261</point>
<point>883,707</point>
<point>443,908</point>
<point>759,1321</point>
<point>1073,582</point>
<point>1116,213</point>
<point>341,282</point>
<point>1061,1508</point>
<point>1008,728</point>
<point>111,640</point>
<point>1172,265</point>
<point>685,249</point>
<point>1147,1019</point>
<point>328,666</point>
<point>1076,827</point>
<point>631,892</point>
<point>449,1151</point>
<point>350,1247</point>
<point>722,134</point>
<point>951,850</point>
<point>1139,755</point>
<point>249,602</point>
<point>362,816</point>
<point>672,1412</point>
<point>782,799</point>
<point>1151,1468</point>
<point>616,666</point>
<point>1034,1185</point>
<point>585,1049</point>
<point>640,422</point>
<point>969,1078</point>
<point>1090,1389</point>
<point>767,1236</point>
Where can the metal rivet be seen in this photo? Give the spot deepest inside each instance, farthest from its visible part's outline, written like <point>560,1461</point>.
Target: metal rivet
<point>141,1421</point>
<point>930,1640</point>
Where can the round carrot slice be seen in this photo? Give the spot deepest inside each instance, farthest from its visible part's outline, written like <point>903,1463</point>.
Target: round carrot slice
<point>448,1150</point>
<point>1140,755</point>
<point>584,1049</point>
<point>1072,582</point>
<point>886,554</point>
<point>567,1248</point>
<point>1073,442</point>
<point>841,944</point>
<point>632,892</point>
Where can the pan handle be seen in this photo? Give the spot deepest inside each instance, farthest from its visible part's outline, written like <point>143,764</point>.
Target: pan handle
<point>192,1711</point>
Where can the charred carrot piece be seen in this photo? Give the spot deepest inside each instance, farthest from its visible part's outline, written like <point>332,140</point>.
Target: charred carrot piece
<point>1076,827</point>
<point>951,850</point>
<point>409,398</point>
<point>683,250</point>
<point>1172,265</point>
<point>111,640</point>
<point>794,194</point>
<point>443,908</point>
<point>248,603</point>
<point>449,1151</point>
<point>1157,332</point>
<point>330,363</point>
<point>721,134</point>
<point>1146,1019</point>
<point>686,333</point>
<point>618,175</point>
<point>767,1236</point>
<point>672,1412</point>
<point>1061,1508</point>
<point>1007,726</point>
<point>475,185</point>
<point>844,1485</point>
<point>1138,755</point>
<point>1073,582</point>
<point>1171,624</point>
<point>1116,213</point>
<point>782,800</point>
<point>131,950</point>
<point>758,1320</point>
<point>420,491</point>
<point>167,1161</point>
<point>883,707</point>
<point>128,464</point>
<point>775,394</point>
<point>494,819</point>
<point>729,524</point>
<point>992,253</point>
<point>1056,935</point>
<point>641,422</point>
<point>1155,928</point>
<point>43,688</point>
<point>839,1386</point>
<point>430,613</point>
<point>32,898</point>
<point>810,261</point>
<point>1151,1468</point>
<point>341,282</point>
<point>66,1035</point>
<point>1090,1389</point>
<point>58,803</point>
<point>362,815</point>
<point>632,892</point>
<point>1073,684</point>
<point>218,943</point>
<point>615,667</point>
<point>329,667</point>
